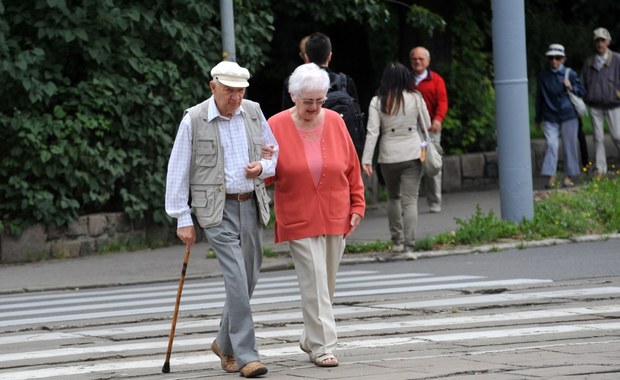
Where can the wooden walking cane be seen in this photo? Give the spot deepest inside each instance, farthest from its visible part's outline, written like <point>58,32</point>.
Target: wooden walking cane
<point>166,367</point>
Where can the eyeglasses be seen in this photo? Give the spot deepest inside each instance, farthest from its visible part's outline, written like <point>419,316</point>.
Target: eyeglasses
<point>309,102</point>
<point>556,58</point>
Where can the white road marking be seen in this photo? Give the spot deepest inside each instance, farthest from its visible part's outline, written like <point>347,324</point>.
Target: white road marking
<point>258,301</point>
<point>341,328</point>
<point>180,360</point>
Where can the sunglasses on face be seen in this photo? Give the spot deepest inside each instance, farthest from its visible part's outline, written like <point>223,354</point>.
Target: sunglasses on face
<point>556,58</point>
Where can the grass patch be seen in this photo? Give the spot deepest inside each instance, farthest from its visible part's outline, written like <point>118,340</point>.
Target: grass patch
<point>377,246</point>
<point>268,252</point>
<point>590,209</point>
<point>593,208</point>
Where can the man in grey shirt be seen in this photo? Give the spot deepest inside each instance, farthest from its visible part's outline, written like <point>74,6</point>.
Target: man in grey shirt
<point>601,79</point>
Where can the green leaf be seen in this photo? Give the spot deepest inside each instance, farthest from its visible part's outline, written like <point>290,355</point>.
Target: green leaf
<point>81,34</point>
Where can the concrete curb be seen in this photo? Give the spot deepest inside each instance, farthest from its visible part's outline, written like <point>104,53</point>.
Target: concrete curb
<point>485,248</point>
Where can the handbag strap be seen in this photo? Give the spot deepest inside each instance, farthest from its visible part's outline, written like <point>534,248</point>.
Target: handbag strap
<point>421,122</point>
<point>566,76</point>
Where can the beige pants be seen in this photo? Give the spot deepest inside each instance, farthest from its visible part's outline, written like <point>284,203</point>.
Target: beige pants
<point>316,263</point>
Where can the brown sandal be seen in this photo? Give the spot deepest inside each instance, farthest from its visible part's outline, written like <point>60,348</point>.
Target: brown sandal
<point>229,363</point>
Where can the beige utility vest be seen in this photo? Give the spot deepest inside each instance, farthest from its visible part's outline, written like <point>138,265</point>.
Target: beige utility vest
<point>206,177</point>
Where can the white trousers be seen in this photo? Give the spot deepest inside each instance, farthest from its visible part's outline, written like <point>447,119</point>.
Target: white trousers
<point>316,263</point>
<point>598,117</point>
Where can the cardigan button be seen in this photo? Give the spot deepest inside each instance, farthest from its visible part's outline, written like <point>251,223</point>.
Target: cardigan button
<point>392,129</point>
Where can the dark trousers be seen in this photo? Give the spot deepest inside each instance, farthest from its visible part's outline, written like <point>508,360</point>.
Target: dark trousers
<point>583,146</point>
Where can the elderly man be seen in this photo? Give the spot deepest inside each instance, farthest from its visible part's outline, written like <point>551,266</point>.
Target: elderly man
<point>216,158</point>
<point>433,89</point>
<point>601,79</point>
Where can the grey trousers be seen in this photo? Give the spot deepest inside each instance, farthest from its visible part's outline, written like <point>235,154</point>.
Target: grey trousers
<point>238,245</point>
<point>402,181</point>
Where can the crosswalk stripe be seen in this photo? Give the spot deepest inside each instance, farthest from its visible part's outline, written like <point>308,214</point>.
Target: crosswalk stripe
<point>193,296</point>
<point>412,289</point>
<point>82,351</point>
<point>189,284</point>
<point>204,288</point>
<point>338,311</point>
<point>506,297</point>
<point>165,327</point>
<point>256,301</point>
<point>183,360</point>
<point>342,329</point>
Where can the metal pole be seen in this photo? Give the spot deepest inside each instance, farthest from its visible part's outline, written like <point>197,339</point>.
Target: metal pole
<point>228,31</point>
<point>512,112</point>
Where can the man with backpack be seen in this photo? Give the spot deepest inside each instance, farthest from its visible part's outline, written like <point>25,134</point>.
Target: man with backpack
<point>342,93</point>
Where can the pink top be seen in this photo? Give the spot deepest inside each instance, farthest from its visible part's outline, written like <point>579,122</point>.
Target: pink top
<point>303,208</point>
<point>312,145</point>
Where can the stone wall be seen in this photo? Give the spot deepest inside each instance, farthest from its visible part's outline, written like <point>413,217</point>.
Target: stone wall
<point>88,235</point>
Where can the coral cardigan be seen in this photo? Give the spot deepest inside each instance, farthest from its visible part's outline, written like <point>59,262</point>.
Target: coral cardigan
<point>302,209</point>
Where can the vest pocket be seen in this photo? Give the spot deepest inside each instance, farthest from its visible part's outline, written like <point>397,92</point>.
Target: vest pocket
<point>257,143</point>
<point>203,202</point>
<point>263,201</point>
<point>206,152</point>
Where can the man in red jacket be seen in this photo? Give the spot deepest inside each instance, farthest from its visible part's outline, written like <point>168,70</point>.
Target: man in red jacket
<point>433,89</point>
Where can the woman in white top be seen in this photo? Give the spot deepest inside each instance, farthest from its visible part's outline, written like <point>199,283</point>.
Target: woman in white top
<point>395,114</point>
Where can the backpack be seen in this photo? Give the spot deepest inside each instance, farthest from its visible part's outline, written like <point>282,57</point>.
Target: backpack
<point>339,100</point>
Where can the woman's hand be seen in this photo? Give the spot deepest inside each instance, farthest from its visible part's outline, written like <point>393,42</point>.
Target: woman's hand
<point>355,221</point>
<point>367,169</point>
<point>266,152</point>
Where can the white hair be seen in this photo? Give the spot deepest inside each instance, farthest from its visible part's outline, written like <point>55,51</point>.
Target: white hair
<point>308,77</point>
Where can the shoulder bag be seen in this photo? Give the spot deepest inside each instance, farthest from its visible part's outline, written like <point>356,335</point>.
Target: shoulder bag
<point>578,103</point>
<point>430,151</point>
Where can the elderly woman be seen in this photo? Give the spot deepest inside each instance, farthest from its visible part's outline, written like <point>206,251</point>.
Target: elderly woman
<point>319,201</point>
<point>558,116</point>
<point>397,113</point>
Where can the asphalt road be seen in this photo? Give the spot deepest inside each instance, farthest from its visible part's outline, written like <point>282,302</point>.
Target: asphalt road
<point>551,313</point>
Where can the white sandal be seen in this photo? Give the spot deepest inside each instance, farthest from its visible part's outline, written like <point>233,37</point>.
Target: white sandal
<point>320,360</point>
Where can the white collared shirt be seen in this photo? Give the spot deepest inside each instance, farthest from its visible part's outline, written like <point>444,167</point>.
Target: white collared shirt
<point>599,60</point>
<point>421,77</point>
<point>234,142</point>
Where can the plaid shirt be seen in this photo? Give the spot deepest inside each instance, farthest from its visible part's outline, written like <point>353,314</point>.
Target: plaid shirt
<point>234,142</point>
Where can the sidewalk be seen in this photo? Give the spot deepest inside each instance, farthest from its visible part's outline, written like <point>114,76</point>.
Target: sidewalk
<point>164,264</point>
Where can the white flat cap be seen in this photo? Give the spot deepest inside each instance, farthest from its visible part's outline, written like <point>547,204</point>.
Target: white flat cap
<point>231,74</point>
<point>602,33</point>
